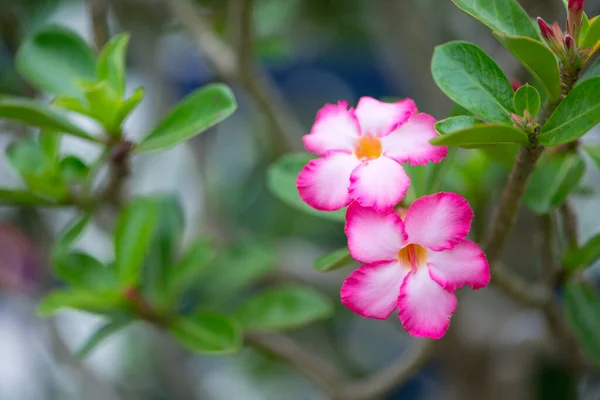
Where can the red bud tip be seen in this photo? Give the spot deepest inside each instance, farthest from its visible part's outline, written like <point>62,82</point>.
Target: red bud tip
<point>545,29</point>
<point>569,42</point>
<point>515,84</point>
<point>576,6</point>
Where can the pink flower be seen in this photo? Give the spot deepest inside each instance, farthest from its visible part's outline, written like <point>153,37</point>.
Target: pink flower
<point>362,150</point>
<point>413,264</point>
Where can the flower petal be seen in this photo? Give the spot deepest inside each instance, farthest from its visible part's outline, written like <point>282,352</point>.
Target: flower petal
<point>372,236</point>
<point>439,221</point>
<point>379,183</point>
<point>336,128</point>
<point>465,264</point>
<point>424,307</point>
<point>379,118</point>
<point>372,290</point>
<point>323,183</point>
<point>410,142</point>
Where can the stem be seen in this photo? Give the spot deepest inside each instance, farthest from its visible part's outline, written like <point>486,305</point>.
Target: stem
<point>569,221</point>
<point>99,17</point>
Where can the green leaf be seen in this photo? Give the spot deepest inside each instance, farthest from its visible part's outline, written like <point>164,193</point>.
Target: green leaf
<point>23,198</point>
<point>537,58</point>
<point>590,72</point>
<point>50,146</point>
<point>196,113</point>
<point>281,181</point>
<point>133,236</point>
<point>472,79</point>
<point>592,36</point>
<point>503,16</point>
<point>555,177</point>
<point>55,59</point>
<point>527,98</point>
<point>91,301</point>
<point>103,105</point>
<point>71,104</point>
<point>453,124</point>
<point>26,157</point>
<point>585,256</point>
<point>576,114</point>
<point>582,309</point>
<point>335,260</point>
<point>594,153</point>
<point>73,169</point>
<point>111,63</point>
<point>482,135</point>
<point>283,308</point>
<point>208,333</point>
<point>34,113</point>
<point>129,105</point>
<point>107,329</point>
<point>458,110</point>
<point>84,272</point>
<point>70,234</point>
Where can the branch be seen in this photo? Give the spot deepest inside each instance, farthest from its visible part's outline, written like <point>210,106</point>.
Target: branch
<point>238,67</point>
<point>99,17</point>
<point>569,220</point>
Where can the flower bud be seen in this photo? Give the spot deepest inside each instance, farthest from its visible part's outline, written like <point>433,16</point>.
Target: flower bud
<point>575,18</point>
<point>569,42</point>
<point>576,6</point>
<point>515,84</point>
<point>545,29</point>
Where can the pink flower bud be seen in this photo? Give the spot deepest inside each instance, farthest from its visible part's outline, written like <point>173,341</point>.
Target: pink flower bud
<point>576,6</point>
<point>515,84</point>
<point>569,42</point>
<point>545,29</point>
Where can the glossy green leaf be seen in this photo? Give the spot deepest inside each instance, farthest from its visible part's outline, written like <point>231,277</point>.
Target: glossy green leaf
<point>592,36</point>
<point>537,58</point>
<point>503,16</point>
<point>458,110</point>
<point>107,329</point>
<point>73,169</point>
<point>453,124</point>
<point>133,236</point>
<point>281,181</point>
<point>576,115</point>
<point>594,153</point>
<point>111,63</point>
<point>582,309</point>
<point>34,113</point>
<point>91,301</point>
<point>196,113</point>
<point>55,59</point>
<point>283,308</point>
<point>482,135</point>
<point>556,175</point>
<point>207,333</point>
<point>83,271</point>
<point>18,197</point>
<point>527,98</point>
<point>335,260</point>
<point>468,76</point>
<point>584,256</point>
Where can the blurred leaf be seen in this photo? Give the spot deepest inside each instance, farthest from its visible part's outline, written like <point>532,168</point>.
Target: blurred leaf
<point>50,146</point>
<point>482,135</point>
<point>107,329</point>
<point>103,105</point>
<point>71,104</point>
<point>453,124</point>
<point>585,256</point>
<point>208,333</point>
<point>34,113</point>
<point>86,300</point>
<point>133,235</point>
<point>283,308</point>
<point>590,72</point>
<point>592,36</point>
<point>55,59</point>
<point>23,198</point>
<point>594,153</point>
<point>128,105</point>
<point>527,98</point>
<point>503,16</point>
<point>196,113</point>
<point>472,79</point>
<point>26,157</point>
<point>504,155</point>
<point>537,58</point>
<point>111,63</point>
<point>281,180</point>
<point>69,235</point>
<point>575,115</point>
<point>556,175</point>
<point>83,272</point>
<point>582,308</point>
<point>335,260</point>
<point>73,169</point>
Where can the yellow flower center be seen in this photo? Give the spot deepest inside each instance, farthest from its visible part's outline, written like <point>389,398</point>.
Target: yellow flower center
<point>368,147</point>
<point>412,255</point>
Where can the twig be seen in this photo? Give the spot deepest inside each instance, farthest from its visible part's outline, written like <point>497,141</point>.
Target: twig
<point>99,18</point>
<point>240,68</point>
<point>549,257</point>
<point>569,221</point>
<point>517,289</point>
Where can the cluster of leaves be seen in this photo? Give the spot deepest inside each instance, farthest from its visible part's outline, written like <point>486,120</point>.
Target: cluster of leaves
<point>202,294</point>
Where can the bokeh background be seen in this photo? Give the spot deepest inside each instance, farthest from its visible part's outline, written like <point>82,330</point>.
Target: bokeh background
<point>309,52</point>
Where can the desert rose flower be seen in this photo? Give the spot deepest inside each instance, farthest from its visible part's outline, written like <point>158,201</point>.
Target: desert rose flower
<point>413,264</point>
<point>362,151</point>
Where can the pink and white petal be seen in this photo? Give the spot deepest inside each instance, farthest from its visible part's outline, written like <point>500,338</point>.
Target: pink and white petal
<point>438,221</point>
<point>465,264</point>
<point>336,128</point>
<point>372,236</point>
<point>424,306</point>
<point>323,183</point>
<point>409,142</point>
<point>379,183</point>
<point>379,118</point>
<point>372,290</point>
